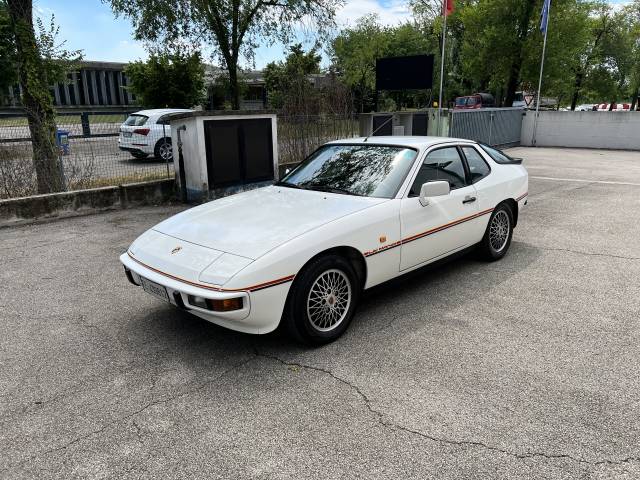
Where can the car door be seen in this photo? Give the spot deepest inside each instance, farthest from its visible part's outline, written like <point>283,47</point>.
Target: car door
<point>443,226</point>
<point>489,190</point>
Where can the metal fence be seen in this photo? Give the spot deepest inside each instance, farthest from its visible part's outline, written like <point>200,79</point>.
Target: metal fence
<point>87,143</point>
<point>300,135</point>
<point>92,158</point>
<point>499,127</point>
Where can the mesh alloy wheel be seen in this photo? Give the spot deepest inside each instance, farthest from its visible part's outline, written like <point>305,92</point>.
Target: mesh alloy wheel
<point>329,300</point>
<point>165,151</point>
<point>499,231</point>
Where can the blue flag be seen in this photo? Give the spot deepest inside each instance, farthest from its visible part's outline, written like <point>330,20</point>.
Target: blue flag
<point>544,16</point>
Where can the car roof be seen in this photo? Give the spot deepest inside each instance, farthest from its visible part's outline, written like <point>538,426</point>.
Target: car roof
<point>160,111</point>
<point>402,141</point>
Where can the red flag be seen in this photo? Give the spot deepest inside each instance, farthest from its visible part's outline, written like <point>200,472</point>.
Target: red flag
<point>447,6</point>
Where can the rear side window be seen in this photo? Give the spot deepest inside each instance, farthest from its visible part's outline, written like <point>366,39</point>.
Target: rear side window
<point>441,164</point>
<point>477,166</point>
<point>497,155</point>
<point>136,120</point>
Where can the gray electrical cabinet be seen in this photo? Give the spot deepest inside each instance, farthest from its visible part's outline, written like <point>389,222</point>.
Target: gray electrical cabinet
<point>394,123</point>
<point>216,153</point>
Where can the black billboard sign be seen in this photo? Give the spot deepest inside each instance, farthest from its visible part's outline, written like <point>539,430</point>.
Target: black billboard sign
<point>414,72</point>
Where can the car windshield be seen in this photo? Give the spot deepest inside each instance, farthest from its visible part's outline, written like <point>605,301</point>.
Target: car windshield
<point>364,170</point>
<point>460,101</point>
<point>136,120</point>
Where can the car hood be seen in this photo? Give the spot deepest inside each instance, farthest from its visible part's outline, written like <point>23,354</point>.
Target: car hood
<point>252,223</point>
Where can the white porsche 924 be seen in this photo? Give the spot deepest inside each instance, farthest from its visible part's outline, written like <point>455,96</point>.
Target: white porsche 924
<point>354,214</point>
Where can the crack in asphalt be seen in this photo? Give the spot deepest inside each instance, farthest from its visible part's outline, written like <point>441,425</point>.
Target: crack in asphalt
<point>130,415</point>
<point>388,424</point>
<point>380,418</point>
<point>590,254</point>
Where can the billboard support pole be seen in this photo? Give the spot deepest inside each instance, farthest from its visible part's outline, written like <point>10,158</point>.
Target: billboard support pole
<point>545,21</point>
<point>444,37</point>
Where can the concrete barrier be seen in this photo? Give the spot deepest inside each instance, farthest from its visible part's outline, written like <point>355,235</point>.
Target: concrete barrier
<point>607,130</point>
<point>15,211</point>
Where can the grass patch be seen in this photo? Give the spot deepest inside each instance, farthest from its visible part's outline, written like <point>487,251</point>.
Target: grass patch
<point>72,119</point>
<point>119,180</point>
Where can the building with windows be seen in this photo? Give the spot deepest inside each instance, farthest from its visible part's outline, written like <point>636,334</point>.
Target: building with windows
<point>103,86</point>
<point>97,85</point>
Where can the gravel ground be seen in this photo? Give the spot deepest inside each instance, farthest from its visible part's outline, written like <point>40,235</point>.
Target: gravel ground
<point>525,368</point>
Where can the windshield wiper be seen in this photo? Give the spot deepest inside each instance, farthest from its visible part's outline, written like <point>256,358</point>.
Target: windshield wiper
<point>327,188</point>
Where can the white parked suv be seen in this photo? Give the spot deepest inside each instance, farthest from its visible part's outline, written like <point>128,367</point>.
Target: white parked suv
<point>148,132</point>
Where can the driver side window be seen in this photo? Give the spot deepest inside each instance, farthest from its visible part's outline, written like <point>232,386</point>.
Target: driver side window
<point>442,164</point>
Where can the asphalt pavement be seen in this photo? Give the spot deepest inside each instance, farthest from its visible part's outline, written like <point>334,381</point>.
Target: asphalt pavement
<point>526,368</point>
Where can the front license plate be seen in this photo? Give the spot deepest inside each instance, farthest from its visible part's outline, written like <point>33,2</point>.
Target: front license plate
<point>154,289</point>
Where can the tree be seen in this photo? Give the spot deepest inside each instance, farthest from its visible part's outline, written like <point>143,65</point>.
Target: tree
<point>8,59</point>
<point>355,49</point>
<point>288,85</point>
<point>41,61</point>
<point>173,80</point>
<point>494,44</point>
<point>233,27</point>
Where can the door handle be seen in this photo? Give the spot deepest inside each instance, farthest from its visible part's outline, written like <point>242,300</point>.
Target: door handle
<point>469,199</point>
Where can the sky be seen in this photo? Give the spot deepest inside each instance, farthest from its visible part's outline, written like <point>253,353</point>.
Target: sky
<point>90,26</point>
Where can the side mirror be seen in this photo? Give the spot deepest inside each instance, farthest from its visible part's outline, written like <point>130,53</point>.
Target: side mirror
<point>433,189</point>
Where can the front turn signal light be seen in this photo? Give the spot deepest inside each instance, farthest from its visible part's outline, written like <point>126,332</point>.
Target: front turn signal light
<point>226,305</point>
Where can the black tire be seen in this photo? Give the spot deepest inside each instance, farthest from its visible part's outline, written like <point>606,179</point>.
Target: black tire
<point>296,318</point>
<point>162,152</point>
<point>139,155</point>
<point>493,246</point>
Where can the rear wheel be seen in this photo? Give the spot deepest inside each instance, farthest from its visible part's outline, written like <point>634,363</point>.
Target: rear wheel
<point>497,237</point>
<point>322,300</point>
<point>163,150</point>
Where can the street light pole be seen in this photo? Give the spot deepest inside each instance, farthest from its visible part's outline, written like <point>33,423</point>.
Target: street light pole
<point>444,37</point>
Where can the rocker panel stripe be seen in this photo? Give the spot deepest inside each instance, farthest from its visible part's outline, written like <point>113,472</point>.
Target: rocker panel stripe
<point>427,233</point>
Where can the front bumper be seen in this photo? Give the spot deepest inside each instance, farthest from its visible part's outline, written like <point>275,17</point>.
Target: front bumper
<point>261,310</point>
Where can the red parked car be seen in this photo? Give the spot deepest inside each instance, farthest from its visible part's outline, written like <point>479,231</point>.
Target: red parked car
<point>472,102</point>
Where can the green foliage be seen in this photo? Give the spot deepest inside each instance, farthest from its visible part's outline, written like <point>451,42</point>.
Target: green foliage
<point>8,60</point>
<point>58,61</point>
<point>287,83</point>
<point>174,80</point>
<point>496,46</point>
<point>233,28</point>
<point>355,50</point>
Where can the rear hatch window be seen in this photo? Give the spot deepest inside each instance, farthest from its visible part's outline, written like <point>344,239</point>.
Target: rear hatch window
<point>136,120</point>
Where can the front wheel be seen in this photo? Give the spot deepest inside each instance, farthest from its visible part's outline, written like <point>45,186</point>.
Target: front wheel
<point>322,300</point>
<point>497,237</point>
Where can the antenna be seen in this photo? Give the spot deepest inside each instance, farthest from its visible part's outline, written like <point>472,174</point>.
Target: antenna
<point>379,127</point>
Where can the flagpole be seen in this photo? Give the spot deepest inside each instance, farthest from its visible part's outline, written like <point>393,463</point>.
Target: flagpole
<point>544,48</point>
<point>444,37</point>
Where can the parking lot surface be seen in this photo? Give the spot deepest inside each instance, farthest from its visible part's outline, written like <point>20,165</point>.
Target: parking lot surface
<point>525,368</point>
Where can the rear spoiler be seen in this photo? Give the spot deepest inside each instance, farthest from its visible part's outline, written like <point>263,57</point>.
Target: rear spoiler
<point>516,161</point>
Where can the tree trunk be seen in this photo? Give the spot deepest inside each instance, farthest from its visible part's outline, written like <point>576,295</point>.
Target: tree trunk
<point>516,65</point>
<point>36,99</point>
<point>232,67</point>
<point>634,100</point>
<point>577,86</point>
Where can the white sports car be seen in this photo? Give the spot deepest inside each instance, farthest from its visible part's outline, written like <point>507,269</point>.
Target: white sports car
<point>354,214</point>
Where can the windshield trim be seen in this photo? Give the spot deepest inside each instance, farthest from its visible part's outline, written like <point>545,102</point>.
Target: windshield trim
<point>362,144</point>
